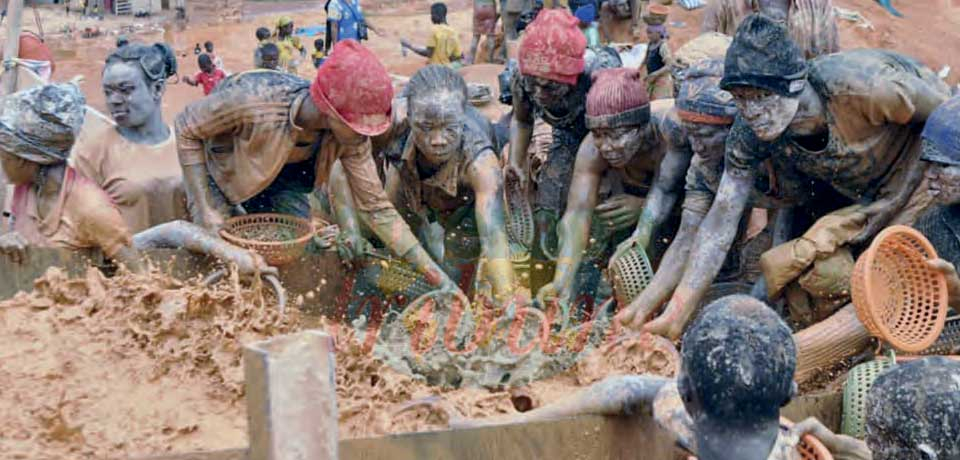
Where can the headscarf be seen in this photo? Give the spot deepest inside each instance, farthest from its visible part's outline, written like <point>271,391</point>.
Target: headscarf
<point>284,21</point>
<point>763,55</point>
<point>617,98</point>
<point>354,86</point>
<point>586,13</point>
<point>701,100</point>
<point>41,124</point>
<point>660,28</point>
<point>552,47</point>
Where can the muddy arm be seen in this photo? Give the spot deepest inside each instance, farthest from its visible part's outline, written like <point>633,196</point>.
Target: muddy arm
<point>129,258</point>
<point>185,235</point>
<point>630,395</point>
<point>521,128</point>
<point>574,228</point>
<point>667,187</point>
<point>487,180</point>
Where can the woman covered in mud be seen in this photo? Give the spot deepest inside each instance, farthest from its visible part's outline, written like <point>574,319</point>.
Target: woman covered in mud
<point>264,140</point>
<point>57,206</point>
<point>638,146</point>
<point>447,173</point>
<point>850,119</point>
<point>551,85</point>
<point>135,162</point>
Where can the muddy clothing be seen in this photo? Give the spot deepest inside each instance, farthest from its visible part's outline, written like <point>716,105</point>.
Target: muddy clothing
<point>144,181</point>
<point>245,134</point>
<point>569,130</point>
<point>871,141</point>
<point>484,17</point>
<point>668,135</point>
<point>941,225</point>
<point>812,23</point>
<point>672,416</point>
<point>83,218</point>
<point>657,58</point>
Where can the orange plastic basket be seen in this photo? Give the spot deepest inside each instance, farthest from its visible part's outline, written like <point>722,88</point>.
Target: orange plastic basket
<point>898,298</point>
<point>279,238</point>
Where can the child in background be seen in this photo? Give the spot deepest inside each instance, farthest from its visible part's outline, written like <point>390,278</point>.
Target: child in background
<point>658,63</point>
<point>263,37</point>
<point>208,76</point>
<point>443,47</point>
<point>269,57</point>
<point>318,53</point>
<point>217,62</point>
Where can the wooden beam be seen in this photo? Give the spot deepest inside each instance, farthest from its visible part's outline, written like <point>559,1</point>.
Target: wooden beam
<point>11,47</point>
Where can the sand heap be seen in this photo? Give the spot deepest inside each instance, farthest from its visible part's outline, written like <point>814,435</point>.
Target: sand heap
<point>136,365</point>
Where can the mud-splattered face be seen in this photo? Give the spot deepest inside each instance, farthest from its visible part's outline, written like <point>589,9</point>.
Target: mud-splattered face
<point>944,183</point>
<point>706,140</point>
<point>768,114</point>
<point>131,99</point>
<point>18,170</point>
<point>436,124</point>
<point>546,93</point>
<point>619,145</point>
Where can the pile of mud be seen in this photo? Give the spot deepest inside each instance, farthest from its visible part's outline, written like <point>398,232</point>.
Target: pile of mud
<point>138,365</point>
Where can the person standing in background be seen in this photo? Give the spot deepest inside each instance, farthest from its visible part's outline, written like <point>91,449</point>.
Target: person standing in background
<point>346,21</point>
<point>484,23</point>
<point>208,77</point>
<point>443,46</point>
<point>263,37</point>
<point>658,63</point>
<point>291,50</point>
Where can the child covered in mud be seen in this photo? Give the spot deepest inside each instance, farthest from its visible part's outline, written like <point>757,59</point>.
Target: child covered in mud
<point>443,46</point>
<point>56,206</point>
<point>447,173</point>
<point>851,120</point>
<point>208,77</point>
<point>640,149</point>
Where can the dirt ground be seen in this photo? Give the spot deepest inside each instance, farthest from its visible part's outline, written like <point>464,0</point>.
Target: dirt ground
<point>137,365</point>
<point>82,357</point>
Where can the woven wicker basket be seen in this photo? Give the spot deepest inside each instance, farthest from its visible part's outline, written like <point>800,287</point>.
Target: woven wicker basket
<point>248,232</point>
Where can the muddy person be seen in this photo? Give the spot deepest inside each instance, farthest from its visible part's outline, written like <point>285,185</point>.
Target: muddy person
<point>512,9</point>
<point>812,23</point>
<point>135,162</point>
<point>640,149</point>
<point>552,85</point>
<point>484,24</point>
<point>208,77</point>
<point>448,174</point>
<point>850,119</point>
<point>736,373</point>
<point>56,206</point>
<point>658,63</point>
<point>265,140</point>
<point>443,46</point>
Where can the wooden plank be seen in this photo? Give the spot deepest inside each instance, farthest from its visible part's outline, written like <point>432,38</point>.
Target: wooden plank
<point>11,48</point>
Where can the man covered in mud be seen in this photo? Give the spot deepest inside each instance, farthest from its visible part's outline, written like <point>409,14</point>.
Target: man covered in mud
<point>738,361</point>
<point>265,140</point>
<point>551,85</point>
<point>812,23</point>
<point>447,173</point>
<point>56,206</point>
<point>639,146</point>
<point>851,120</point>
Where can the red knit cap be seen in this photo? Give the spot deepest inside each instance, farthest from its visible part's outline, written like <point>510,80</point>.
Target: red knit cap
<point>617,98</point>
<point>353,86</point>
<point>552,47</point>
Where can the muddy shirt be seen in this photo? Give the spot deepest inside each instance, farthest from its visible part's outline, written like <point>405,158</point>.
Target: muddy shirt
<point>812,23</point>
<point>244,133</point>
<point>570,117</point>
<point>83,218</point>
<point>672,416</point>
<point>868,97</point>
<point>144,181</point>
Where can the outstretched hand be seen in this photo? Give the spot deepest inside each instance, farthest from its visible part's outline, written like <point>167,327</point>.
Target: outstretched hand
<point>842,447</point>
<point>249,263</point>
<point>14,246</point>
<point>621,212</point>
<point>953,281</point>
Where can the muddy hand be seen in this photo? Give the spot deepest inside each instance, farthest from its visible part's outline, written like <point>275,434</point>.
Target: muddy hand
<point>624,247</point>
<point>878,215</point>
<point>513,173</point>
<point>351,247</point>
<point>953,281</point>
<point>621,212</point>
<point>842,447</point>
<point>14,246</point>
<point>672,321</point>
<point>249,263</point>
<point>550,293</point>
